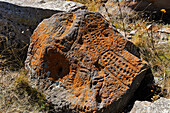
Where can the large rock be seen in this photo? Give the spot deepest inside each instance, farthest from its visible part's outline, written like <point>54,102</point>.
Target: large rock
<point>60,5</point>
<point>82,64</point>
<point>19,22</point>
<point>161,105</point>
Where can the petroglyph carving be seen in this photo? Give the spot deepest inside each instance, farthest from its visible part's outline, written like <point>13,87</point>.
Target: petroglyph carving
<point>83,64</point>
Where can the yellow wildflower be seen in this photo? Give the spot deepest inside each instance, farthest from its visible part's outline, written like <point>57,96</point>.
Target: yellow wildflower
<point>163,10</point>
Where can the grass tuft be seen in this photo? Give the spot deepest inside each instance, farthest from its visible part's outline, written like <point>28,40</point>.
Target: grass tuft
<point>16,94</point>
<point>35,97</point>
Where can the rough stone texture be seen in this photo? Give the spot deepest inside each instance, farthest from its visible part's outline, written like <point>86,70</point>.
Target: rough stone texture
<point>19,21</point>
<point>161,105</point>
<point>16,26</point>
<point>61,5</point>
<point>82,64</point>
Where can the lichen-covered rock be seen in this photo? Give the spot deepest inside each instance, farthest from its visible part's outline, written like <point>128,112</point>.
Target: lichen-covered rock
<point>83,64</point>
<point>161,105</point>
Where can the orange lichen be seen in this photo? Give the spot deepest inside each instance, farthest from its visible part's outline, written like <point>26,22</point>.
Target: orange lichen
<point>91,60</point>
<point>57,64</point>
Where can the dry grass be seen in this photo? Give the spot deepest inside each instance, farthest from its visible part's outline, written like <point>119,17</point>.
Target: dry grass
<point>92,5</point>
<point>148,39</point>
<point>16,95</point>
<point>12,53</point>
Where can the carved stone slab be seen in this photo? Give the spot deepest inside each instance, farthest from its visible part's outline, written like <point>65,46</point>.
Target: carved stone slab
<point>83,64</point>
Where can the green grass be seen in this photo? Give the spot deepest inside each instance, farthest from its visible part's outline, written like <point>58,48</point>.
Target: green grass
<point>36,98</point>
<point>16,94</point>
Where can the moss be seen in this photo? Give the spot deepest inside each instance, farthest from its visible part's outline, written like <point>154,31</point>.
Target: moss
<point>36,97</point>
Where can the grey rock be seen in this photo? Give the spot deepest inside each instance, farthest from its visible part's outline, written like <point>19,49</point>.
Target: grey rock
<point>61,5</point>
<point>19,18</point>
<point>164,30</point>
<point>159,106</point>
<point>158,80</point>
<point>129,37</point>
<point>16,26</point>
<point>133,32</point>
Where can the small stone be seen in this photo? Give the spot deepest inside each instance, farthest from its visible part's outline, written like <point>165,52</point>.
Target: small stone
<point>152,27</point>
<point>161,105</point>
<point>129,37</point>
<point>42,1</point>
<point>164,30</point>
<point>133,32</point>
<point>162,42</point>
<point>158,80</point>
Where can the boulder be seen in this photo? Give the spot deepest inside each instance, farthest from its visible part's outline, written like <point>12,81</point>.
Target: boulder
<point>82,64</point>
<point>60,5</point>
<point>17,21</point>
<point>161,105</point>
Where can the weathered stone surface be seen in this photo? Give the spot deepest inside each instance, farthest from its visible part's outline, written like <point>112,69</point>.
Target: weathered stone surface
<point>60,5</point>
<point>161,105</point>
<point>18,19</point>
<point>82,64</point>
<point>16,26</point>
